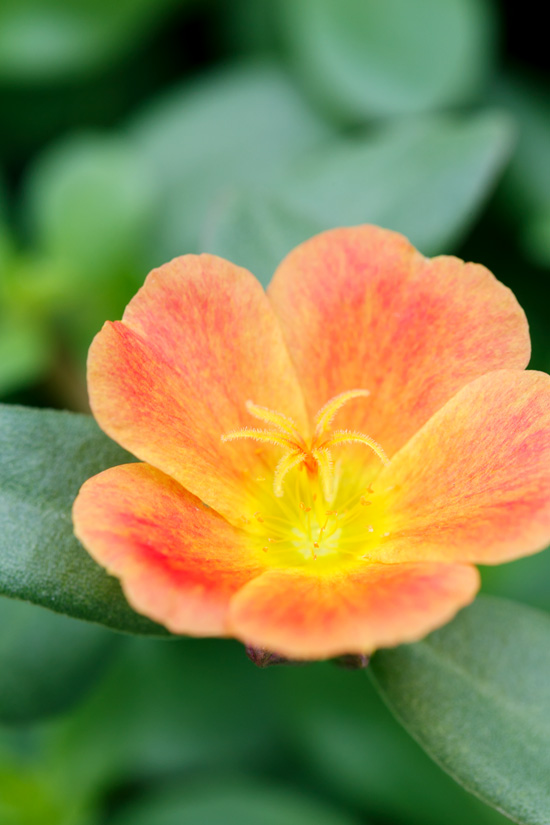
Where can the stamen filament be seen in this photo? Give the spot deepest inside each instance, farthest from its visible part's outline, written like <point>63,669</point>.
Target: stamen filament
<point>286,463</point>
<point>352,437</point>
<point>326,466</point>
<point>326,414</point>
<point>313,453</point>
<point>276,419</point>
<point>269,436</point>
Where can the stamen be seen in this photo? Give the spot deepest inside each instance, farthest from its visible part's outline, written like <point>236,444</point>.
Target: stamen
<point>286,463</point>
<point>326,471</point>
<point>313,453</point>
<point>326,414</point>
<point>276,419</point>
<point>261,435</point>
<point>351,437</point>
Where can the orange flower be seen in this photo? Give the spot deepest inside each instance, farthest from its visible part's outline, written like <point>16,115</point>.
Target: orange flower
<point>324,463</point>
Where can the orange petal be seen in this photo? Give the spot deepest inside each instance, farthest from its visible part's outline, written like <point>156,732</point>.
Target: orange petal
<point>360,307</point>
<point>195,344</point>
<point>377,605</point>
<point>474,484</point>
<point>179,563</point>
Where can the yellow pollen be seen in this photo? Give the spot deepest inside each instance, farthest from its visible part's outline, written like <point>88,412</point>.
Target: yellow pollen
<point>313,454</point>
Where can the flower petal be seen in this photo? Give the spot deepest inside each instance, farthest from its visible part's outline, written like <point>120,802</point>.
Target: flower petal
<point>361,308</point>
<point>195,344</point>
<point>305,616</point>
<point>179,563</point>
<point>473,485</point>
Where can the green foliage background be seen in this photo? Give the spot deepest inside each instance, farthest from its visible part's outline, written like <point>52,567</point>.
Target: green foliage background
<point>135,131</point>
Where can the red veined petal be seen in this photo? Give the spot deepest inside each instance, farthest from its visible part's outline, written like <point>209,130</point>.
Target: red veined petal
<point>178,562</point>
<point>197,341</point>
<point>361,308</point>
<point>473,485</point>
<point>304,616</point>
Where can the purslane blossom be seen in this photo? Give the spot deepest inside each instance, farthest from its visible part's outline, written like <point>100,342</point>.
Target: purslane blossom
<point>324,463</point>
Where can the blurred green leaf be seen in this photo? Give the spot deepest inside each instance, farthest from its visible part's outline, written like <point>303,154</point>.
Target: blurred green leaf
<point>26,799</point>
<point>47,661</point>
<point>30,794</point>
<point>25,345</point>
<point>25,351</point>
<point>242,125</point>
<point>526,185</point>
<point>88,202</point>
<point>476,696</point>
<point>524,580</point>
<point>537,236</point>
<point>351,744</point>
<point>365,58</point>
<point>230,801</point>
<point>166,709</point>
<point>247,27</point>
<point>45,456</point>
<point>2,205</point>
<point>45,40</point>
<point>89,205</point>
<point>425,178</point>
<point>528,176</point>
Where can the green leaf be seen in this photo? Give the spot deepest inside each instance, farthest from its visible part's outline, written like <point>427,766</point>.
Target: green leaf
<point>25,346</point>
<point>365,58</point>
<point>265,125</point>
<point>45,456</point>
<point>525,189</point>
<point>230,801</point>
<point>352,746</point>
<point>47,662</point>
<point>25,352</point>
<point>524,580</point>
<point>89,201</point>
<point>167,709</point>
<point>89,205</point>
<point>46,40</point>
<point>425,178</point>
<point>26,799</point>
<point>476,696</point>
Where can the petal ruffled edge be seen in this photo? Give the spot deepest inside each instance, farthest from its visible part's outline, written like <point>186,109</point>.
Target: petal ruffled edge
<point>361,307</point>
<point>473,485</point>
<point>197,342</point>
<point>304,616</point>
<point>179,562</point>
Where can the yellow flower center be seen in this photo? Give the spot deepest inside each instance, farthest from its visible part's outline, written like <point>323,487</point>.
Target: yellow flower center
<point>315,509</point>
